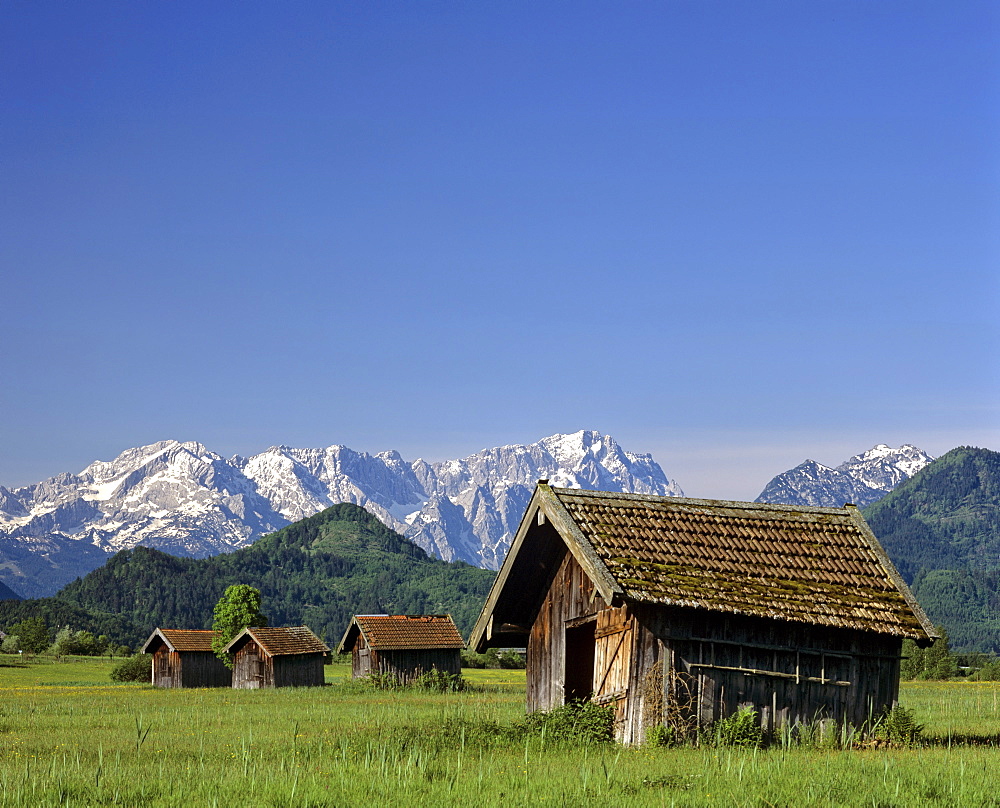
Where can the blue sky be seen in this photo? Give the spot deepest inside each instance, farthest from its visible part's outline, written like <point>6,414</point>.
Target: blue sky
<point>735,235</point>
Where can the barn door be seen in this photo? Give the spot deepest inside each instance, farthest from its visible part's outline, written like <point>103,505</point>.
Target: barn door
<point>613,654</point>
<point>254,669</point>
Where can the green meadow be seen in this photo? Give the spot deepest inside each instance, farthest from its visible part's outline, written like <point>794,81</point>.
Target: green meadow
<point>68,736</point>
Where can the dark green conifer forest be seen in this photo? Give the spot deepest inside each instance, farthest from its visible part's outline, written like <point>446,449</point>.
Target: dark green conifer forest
<point>317,572</point>
<point>941,528</point>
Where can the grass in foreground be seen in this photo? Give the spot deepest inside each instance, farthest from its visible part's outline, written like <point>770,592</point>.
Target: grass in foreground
<point>70,737</point>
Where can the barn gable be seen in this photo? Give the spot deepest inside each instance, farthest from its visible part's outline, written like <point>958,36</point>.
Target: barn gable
<point>795,611</point>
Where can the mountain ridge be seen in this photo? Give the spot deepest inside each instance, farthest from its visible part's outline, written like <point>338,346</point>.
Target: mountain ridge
<point>185,499</point>
<point>861,480</point>
<point>318,571</point>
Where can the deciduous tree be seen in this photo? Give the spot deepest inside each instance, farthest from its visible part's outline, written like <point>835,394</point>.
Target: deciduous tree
<point>236,610</point>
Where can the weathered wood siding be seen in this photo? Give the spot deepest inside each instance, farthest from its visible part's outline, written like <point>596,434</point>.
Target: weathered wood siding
<point>406,665</point>
<point>790,673</point>
<point>361,661</point>
<point>188,669</point>
<point>689,667</point>
<point>252,669</point>
<point>298,670</point>
<point>166,668</point>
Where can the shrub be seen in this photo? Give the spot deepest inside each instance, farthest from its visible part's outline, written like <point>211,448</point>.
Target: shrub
<point>898,727</point>
<point>508,659</point>
<point>434,679</point>
<point>439,681</point>
<point>579,721</point>
<point>987,672</point>
<point>511,660</point>
<point>134,669</point>
<point>739,729</point>
<point>660,736</point>
<point>470,659</point>
<point>383,681</point>
<point>78,643</point>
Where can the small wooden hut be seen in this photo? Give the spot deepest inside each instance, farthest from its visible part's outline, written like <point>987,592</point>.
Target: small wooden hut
<point>184,658</point>
<point>277,657</point>
<point>404,646</point>
<point>681,611</point>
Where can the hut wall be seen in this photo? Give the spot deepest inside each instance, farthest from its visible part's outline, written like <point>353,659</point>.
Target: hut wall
<point>188,669</point>
<point>688,667</point>
<point>298,670</point>
<point>562,645</point>
<point>361,658</point>
<point>790,673</point>
<point>252,668</point>
<point>166,668</point>
<point>407,665</point>
<point>204,669</point>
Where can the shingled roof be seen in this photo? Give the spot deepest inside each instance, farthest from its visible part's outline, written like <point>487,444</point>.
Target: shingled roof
<point>180,639</point>
<point>813,565</point>
<point>281,641</point>
<point>397,632</point>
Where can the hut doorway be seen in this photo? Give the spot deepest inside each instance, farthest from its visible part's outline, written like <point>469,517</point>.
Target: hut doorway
<point>579,660</point>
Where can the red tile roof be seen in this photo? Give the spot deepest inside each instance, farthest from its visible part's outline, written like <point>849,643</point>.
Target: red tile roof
<point>385,632</point>
<point>282,641</point>
<point>181,639</point>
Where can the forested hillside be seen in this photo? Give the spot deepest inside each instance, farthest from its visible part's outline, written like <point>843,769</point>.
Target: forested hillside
<point>942,530</point>
<point>316,572</point>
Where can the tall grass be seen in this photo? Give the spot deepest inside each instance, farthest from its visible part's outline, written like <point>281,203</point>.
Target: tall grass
<point>70,737</point>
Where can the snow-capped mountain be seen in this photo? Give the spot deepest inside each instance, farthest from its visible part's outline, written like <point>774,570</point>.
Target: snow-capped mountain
<point>863,479</point>
<point>187,500</point>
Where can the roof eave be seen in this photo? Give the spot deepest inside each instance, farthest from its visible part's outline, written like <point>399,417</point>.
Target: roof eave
<point>890,568</point>
<point>544,500</point>
<point>341,647</point>
<point>156,633</point>
<point>481,632</point>
<point>237,638</point>
<point>582,550</point>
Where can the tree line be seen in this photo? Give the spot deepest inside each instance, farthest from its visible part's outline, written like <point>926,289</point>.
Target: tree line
<point>317,572</point>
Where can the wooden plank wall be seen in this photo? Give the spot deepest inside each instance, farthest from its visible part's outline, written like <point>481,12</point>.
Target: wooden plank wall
<point>361,658</point>
<point>789,673</point>
<point>570,597</point>
<point>298,670</point>
<point>189,669</point>
<point>250,668</point>
<point>657,663</point>
<point>408,664</point>
<point>253,669</point>
<point>204,669</point>
<point>166,668</point>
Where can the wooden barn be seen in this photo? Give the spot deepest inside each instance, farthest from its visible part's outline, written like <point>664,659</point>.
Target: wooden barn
<point>184,658</point>
<point>404,646</point>
<point>681,611</point>
<point>277,657</point>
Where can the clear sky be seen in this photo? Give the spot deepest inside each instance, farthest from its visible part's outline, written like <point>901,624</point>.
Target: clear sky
<point>733,234</point>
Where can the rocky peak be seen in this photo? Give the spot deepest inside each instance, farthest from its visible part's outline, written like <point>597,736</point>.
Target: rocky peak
<point>863,479</point>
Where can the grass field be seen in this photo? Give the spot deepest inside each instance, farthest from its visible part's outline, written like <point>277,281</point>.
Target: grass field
<point>68,736</point>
